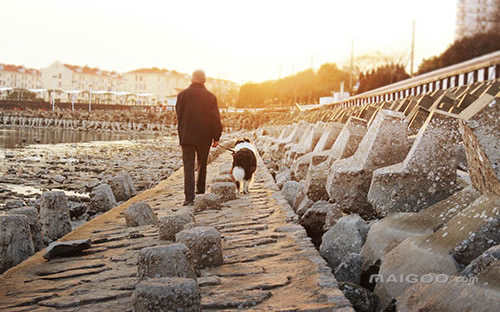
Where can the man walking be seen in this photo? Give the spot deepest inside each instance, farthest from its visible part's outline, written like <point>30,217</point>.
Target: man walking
<point>199,126</point>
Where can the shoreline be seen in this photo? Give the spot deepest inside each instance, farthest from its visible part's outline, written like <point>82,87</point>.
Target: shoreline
<point>76,168</point>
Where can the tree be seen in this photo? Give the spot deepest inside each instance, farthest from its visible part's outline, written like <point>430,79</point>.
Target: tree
<point>303,87</point>
<point>381,76</point>
<point>462,50</point>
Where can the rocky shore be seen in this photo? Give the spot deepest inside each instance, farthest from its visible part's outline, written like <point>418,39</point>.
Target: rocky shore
<point>79,167</point>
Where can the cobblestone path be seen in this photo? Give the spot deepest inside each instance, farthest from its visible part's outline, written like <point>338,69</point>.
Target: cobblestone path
<point>269,262</point>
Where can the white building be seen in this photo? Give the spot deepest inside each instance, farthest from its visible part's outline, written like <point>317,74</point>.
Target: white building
<point>157,85</point>
<point>477,16</point>
<point>66,82</point>
<point>19,77</point>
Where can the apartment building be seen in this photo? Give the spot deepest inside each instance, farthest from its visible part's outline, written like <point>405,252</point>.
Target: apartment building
<point>17,76</point>
<point>66,82</point>
<point>477,16</point>
<point>154,84</point>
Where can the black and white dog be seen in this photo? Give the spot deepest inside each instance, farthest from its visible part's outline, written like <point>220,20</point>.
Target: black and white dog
<point>244,164</point>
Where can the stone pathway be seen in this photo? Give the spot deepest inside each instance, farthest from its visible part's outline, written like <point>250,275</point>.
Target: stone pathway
<point>269,262</point>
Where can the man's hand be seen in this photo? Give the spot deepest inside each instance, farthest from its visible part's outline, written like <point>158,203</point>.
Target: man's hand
<point>215,143</point>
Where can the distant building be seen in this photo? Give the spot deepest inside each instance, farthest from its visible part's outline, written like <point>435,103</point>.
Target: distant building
<point>477,16</point>
<point>16,76</point>
<point>66,82</point>
<point>159,83</point>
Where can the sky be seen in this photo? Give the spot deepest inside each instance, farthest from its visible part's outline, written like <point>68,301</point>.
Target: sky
<point>230,39</point>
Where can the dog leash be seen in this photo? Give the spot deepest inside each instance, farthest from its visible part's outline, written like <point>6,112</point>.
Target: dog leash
<point>228,149</point>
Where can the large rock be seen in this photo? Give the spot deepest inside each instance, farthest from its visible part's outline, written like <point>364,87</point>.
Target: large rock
<point>122,186</point>
<point>225,190</point>
<point>304,205</point>
<point>54,215</point>
<point>487,260</point>
<point>167,294</point>
<point>205,245</point>
<point>328,136</point>
<point>385,143</point>
<point>207,201</point>
<point>483,124</point>
<point>174,223</point>
<point>345,145</point>
<point>283,176</point>
<point>362,300</point>
<point>307,145</point>
<point>66,249</point>
<point>443,293</point>
<point>313,220</point>
<point>35,225</point>
<point>427,175</point>
<point>441,252</point>
<point>172,260</point>
<point>16,243</point>
<point>139,213</point>
<point>350,269</point>
<point>345,237</point>
<point>389,232</point>
<point>101,199</point>
<point>293,192</point>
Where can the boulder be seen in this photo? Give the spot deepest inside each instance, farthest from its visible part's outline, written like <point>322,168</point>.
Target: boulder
<point>293,192</point>
<point>349,270</point>
<point>174,223</point>
<point>16,243</point>
<point>167,294</point>
<point>345,145</point>
<point>389,232</point>
<point>442,251</point>
<point>362,300</point>
<point>34,223</point>
<point>283,176</point>
<point>329,134</point>
<point>101,199</point>
<point>66,248</point>
<point>427,175</point>
<point>223,178</point>
<point>14,203</point>
<point>482,122</point>
<point>345,237</point>
<point>304,205</point>
<point>313,220</point>
<point>76,210</point>
<point>172,260</point>
<point>225,190</point>
<point>439,292</point>
<point>205,245</point>
<point>54,215</point>
<point>488,259</point>
<point>122,187</point>
<point>385,144</point>
<point>139,213</point>
<point>207,201</point>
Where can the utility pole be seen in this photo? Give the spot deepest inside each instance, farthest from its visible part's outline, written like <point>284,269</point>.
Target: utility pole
<point>412,52</point>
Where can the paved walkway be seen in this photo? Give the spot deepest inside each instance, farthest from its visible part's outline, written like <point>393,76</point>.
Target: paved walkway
<point>270,264</point>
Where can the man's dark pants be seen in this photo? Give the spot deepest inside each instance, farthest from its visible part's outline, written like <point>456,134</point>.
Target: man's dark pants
<point>188,154</point>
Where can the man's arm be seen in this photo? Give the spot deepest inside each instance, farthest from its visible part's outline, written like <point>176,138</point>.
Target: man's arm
<point>179,109</point>
<point>217,122</point>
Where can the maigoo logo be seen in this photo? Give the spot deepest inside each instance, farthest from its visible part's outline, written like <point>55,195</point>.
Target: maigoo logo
<point>425,279</point>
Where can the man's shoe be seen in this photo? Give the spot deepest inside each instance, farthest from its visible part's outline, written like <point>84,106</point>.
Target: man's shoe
<point>188,203</point>
<point>200,192</point>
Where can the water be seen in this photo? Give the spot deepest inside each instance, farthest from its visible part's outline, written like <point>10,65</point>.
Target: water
<point>21,137</point>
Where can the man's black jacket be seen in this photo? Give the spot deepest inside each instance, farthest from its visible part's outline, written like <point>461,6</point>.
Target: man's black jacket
<point>198,118</point>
